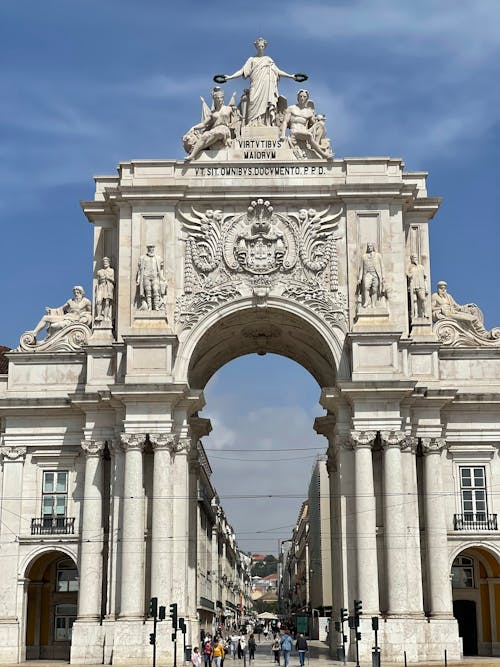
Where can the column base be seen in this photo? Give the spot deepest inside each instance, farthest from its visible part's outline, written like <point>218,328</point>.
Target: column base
<point>87,643</point>
<point>131,644</point>
<point>423,639</point>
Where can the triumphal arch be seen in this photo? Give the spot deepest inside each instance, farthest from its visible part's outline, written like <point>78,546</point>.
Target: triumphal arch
<point>260,240</point>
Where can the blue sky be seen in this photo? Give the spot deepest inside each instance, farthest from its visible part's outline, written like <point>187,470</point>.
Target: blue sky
<point>88,83</point>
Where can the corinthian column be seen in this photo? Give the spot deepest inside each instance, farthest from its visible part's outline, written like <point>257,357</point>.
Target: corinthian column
<point>366,540</point>
<point>181,536</point>
<point>413,555</point>
<point>394,523</point>
<point>161,544</point>
<point>132,579</point>
<point>89,597</point>
<point>438,572</point>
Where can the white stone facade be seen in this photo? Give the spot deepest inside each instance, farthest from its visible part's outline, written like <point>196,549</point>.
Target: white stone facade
<point>229,254</point>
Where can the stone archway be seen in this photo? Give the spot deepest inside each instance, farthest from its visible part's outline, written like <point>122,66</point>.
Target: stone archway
<point>51,605</point>
<point>474,574</point>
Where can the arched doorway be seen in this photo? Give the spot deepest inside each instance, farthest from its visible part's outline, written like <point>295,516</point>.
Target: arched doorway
<point>51,606</point>
<point>476,597</point>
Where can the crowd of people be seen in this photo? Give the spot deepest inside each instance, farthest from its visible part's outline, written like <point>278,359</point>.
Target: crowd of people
<point>242,644</point>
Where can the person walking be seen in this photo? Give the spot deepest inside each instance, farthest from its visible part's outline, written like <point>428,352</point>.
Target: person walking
<point>207,651</point>
<point>286,644</point>
<point>275,648</point>
<point>234,643</point>
<point>196,657</point>
<point>218,652</point>
<point>252,645</point>
<point>301,647</point>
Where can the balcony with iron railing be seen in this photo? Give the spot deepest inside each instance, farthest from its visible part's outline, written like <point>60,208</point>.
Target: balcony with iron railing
<point>475,521</point>
<point>53,525</point>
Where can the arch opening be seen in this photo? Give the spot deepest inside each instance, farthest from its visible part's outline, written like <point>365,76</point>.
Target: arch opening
<point>51,606</point>
<point>476,598</point>
<point>263,331</point>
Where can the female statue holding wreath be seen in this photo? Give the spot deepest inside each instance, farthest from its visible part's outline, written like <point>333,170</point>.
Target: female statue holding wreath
<point>264,75</point>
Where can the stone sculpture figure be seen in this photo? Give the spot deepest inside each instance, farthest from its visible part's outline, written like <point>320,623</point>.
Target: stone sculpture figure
<point>105,292</point>
<point>444,306</point>
<point>214,129</point>
<point>306,128</point>
<point>417,288</point>
<point>264,74</point>
<point>76,310</point>
<point>371,277</point>
<point>151,283</point>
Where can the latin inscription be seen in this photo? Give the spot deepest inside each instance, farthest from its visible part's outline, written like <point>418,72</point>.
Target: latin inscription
<point>261,170</point>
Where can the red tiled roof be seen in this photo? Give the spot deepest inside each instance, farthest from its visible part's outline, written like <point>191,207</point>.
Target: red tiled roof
<point>4,364</point>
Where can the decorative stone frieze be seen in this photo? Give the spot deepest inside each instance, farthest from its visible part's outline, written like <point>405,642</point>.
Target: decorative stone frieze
<point>263,253</point>
<point>92,447</point>
<point>13,453</point>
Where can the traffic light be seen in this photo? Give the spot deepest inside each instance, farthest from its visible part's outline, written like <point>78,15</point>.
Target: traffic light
<point>344,615</point>
<point>152,638</point>
<point>173,615</point>
<point>153,607</point>
<point>358,610</point>
<point>337,626</point>
<point>351,622</point>
<point>374,622</point>
<point>358,636</point>
<point>182,625</point>
<point>162,613</point>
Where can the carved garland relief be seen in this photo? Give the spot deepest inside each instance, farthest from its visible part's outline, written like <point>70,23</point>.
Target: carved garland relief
<point>261,252</point>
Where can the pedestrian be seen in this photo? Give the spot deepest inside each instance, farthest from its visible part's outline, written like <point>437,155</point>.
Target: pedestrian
<point>266,631</point>
<point>251,648</point>
<point>234,643</point>
<point>196,657</point>
<point>275,648</point>
<point>286,646</point>
<point>301,647</point>
<point>218,652</point>
<point>207,651</point>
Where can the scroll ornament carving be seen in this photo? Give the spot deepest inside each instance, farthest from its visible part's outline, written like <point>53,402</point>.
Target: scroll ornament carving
<point>363,438</point>
<point>130,441</point>
<point>68,327</point>
<point>261,252</point>
<point>409,444</point>
<point>182,446</point>
<point>433,445</point>
<point>92,447</point>
<point>13,453</point>
<point>460,326</point>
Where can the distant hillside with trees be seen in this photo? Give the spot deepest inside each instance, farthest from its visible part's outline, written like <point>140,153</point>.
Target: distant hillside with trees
<point>264,565</point>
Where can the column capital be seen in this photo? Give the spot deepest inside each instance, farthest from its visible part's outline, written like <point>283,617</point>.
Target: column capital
<point>162,441</point>
<point>392,439</point>
<point>409,444</point>
<point>182,446</point>
<point>363,439</point>
<point>433,445</point>
<point>92,448</point>
<point>131,441</point>
<point>12,453</point>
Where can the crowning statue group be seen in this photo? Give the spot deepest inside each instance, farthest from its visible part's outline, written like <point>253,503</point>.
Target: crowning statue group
<point>240,645</point>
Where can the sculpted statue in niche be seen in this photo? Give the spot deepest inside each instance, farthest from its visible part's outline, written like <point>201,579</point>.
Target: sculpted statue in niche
<point>371,277</point>
<point>306,127</point>
<point>76,310</point>
<point>214,129</point>
<point>105,292</point>
<point>259,105</point>
<point>417,288</point>
<point>151,283</point>
<point>469,317</point>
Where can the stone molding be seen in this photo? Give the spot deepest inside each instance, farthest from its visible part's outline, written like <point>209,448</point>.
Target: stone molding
<point>433,445</point>
<point>13,453</point>
<point>92,448</point>
<point>132,441</point>
<point>363,439</point>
